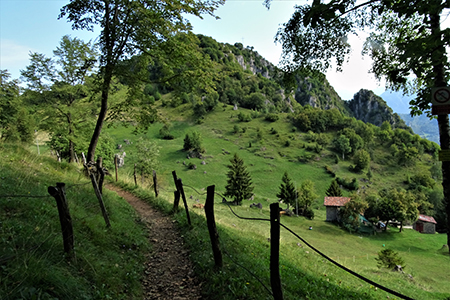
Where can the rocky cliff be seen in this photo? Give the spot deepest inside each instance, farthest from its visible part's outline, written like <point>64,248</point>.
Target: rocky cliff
<point>370,108</point>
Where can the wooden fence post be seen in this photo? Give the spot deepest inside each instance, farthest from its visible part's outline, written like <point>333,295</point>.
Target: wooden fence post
<point>211,222</point>
<point>65,220</point>
<point>99,197</point>
<point>101,174</point>
<point>275,280</point>
<point>155,183</point>
<point>115,165</point>
<point>176,200</point>
<point>183,196</point>
<point>134,174</point>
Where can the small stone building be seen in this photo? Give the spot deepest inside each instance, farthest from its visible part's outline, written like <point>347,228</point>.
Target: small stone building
<point>425,224</point>
<point>333,204</point>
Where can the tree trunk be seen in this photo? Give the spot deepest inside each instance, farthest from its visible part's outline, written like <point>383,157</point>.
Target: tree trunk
<point>101,115</point>
<point>443,120</point>
<point>107,77</point>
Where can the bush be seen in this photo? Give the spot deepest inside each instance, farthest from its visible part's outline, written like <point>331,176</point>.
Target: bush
<point>309,213</point>
<point>388,258</point>
<point>165,134</point>
<point>271,117</point>
<point>244,117</point>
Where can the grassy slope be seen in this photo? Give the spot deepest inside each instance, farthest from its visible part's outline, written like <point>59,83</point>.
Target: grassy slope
<point>422,253</point>
<point>32,265</point>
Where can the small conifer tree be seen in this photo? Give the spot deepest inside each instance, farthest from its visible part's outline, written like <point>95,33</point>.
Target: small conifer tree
<point>334,190</point>
<point>239,183</point>
<point>287,190</point>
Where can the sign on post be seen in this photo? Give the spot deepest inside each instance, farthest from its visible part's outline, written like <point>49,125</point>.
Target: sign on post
<point>440,100</point>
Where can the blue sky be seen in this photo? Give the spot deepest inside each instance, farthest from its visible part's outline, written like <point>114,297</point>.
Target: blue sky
<point>32,25</point>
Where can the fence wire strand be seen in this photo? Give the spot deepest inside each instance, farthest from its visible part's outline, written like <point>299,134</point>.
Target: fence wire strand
<point>347,269</point>
<point>24,196</point>
<point>248,271</point>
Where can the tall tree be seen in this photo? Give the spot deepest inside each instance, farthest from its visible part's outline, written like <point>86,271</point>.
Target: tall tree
<point>60,84</point>
<point>239,183</point>
<point>306,195</point>
<point>334,190</point>
<point>287,190</point>
<point>145,28</point>
<point>406,43</point>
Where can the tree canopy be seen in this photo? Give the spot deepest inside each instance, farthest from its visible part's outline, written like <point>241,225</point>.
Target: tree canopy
<point>146,30</point>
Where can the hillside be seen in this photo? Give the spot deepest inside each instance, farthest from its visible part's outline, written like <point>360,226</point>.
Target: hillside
<point>361,145</point>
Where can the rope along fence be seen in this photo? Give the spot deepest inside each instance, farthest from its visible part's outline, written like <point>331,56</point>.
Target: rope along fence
<point>275,239</point>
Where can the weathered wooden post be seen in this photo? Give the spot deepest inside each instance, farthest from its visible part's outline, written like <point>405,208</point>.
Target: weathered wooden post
<point>211,222</point>
<point>176,200</point>
<point>183,196</point>
<point>99,197</point>
<point>155,183</point>
<point>275,280</point>
<point>65,220</point>
<point>134,175</point>
<point>101,174</point>
<point>115,165</point>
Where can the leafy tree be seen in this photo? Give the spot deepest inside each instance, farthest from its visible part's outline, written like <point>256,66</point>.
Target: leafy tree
<point>406,43</point>
<point>60,83</point>
<point>306,196</point>
<point>361,160</point>
<point>147,153</point>
<point>334,190</point>
<point>342,145</point>
<point>145,29</point>
<point>350,212</point>
<point>287,191</point>
<point>15,121</point>
<point>239,183</point>
<point>193,142</point>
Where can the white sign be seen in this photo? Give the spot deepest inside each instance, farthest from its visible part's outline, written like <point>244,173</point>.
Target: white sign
<point>440,96</point>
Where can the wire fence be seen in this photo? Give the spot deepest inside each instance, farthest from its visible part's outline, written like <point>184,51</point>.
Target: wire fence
<point>31,238</point>
<point>328,258</point>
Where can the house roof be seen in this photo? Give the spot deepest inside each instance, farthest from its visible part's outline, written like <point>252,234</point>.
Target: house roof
<point>335,201</point>
<point>428,219</point>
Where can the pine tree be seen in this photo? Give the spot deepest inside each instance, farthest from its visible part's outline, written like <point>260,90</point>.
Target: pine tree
<point>334,190</point>
<point>239,183</point>
<point>287,190</point>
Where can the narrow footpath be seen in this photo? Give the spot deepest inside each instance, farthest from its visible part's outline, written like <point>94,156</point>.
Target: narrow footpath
<point>169,273</point>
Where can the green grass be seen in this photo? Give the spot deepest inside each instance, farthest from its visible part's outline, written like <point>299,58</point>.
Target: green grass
<point>109,262</point>
<point>305,275</point>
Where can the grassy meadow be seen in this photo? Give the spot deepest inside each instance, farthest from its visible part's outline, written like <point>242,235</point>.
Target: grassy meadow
<point>109,262</point>
<point>304,274</point>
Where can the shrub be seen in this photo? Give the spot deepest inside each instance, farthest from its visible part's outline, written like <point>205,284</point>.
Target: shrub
<point>309,213</point>
<point>271,117</point>
<point>236,129</point>
<point>244,117</point>
<point>388,258</point>
<point>165,134</point>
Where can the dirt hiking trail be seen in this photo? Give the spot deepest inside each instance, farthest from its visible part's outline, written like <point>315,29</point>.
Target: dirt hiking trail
<point>169,274</point>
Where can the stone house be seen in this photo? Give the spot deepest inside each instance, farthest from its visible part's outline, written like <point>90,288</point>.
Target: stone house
<point>425,224</point>
<point>333,204</point>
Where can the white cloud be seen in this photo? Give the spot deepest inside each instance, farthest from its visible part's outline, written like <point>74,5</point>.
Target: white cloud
<point>355,74</point>
<point>13,57</point>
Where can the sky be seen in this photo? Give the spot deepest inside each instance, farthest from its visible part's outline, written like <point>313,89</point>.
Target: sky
<point>33,26</point>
